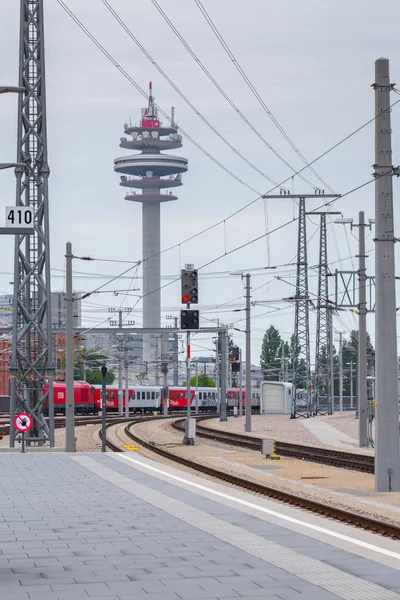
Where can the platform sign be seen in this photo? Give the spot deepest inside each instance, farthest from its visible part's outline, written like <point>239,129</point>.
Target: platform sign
<point>23,422</point>
<point>19,216</point>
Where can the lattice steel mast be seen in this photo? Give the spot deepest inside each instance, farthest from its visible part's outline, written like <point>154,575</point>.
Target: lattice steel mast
<point>324,341</point>
<point>301,337</point>
<point>31,360</point>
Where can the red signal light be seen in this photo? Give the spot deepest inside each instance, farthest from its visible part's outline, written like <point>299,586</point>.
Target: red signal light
<point>185,298</point>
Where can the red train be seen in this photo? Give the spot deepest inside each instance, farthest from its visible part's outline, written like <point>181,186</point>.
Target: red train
<point>84,398</point>
<point>150,398</point>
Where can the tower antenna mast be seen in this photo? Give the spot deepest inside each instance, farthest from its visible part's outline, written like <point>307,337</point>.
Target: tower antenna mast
<point>31,365</point>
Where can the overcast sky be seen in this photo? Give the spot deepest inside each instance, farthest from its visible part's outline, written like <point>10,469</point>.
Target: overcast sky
<point>311,62</point>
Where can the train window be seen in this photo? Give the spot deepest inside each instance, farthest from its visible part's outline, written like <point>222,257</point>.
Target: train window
<point>212,395</point>
<point>132,396</point>
<point>182,395</point>
<point>148,395</point>
<point>153,395</point>
<point>111,395</point>
<point>289,392</point>
<point>200,395</point>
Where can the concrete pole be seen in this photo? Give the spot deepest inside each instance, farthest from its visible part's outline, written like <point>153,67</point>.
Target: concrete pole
<point>332,372</point>
<point>164,367</point>
<point>362,395</point>
<point>217,379</point>
<point>227,362</point>
<point>282,373</point>
<point>157,363</point>
<point>240,385</point>
<point>126,380</point>
<point>188,395</point>
<point>103,408</point>
<point>222,337</point>
<point>387,459</point>
<point>176,353</point>
<point>69,356</point>
<point>340,371</point>
<point>247,426</point>
<point>120,411</point>
<point>351,385</point>
<point>196,392</point>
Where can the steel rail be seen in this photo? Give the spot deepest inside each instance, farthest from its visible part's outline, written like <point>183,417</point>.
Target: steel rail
<point>338,514</point>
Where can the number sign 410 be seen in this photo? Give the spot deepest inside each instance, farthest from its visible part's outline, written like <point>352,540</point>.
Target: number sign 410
<point>19,216</point>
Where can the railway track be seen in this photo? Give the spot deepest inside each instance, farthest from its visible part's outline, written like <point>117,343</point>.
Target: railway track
<point>60,422</point>
<point>338,514</point>
<point>331,457</point>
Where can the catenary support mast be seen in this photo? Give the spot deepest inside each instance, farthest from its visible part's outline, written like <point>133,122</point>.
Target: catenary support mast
<point>31,360</point>
<point>301,337</point>
<point>387,461</point>
<point>323,394</point>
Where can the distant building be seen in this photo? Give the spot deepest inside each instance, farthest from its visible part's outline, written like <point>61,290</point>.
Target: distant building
<point>58,310</point>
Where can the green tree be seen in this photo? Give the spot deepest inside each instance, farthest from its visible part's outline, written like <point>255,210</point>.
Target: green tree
<point>350,355</point>
<point>203,381</point>
<point>270,359</point>
<point>95,377</point>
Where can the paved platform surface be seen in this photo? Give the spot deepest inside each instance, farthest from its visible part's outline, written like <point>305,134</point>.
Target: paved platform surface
<point>114,528</point>
<point>328,435</point>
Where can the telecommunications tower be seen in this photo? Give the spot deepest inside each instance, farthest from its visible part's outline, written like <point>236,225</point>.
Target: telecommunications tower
<point>151,171</point>
<point>31,364</point>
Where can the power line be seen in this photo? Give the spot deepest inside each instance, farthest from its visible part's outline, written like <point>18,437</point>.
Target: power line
<point>220,89</point>
<point>254,91</point>
<point>182,95</point>
<point>235,213</point>
<point>145,94</point>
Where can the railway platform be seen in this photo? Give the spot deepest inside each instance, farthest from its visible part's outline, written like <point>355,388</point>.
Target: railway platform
<point>120,526</point>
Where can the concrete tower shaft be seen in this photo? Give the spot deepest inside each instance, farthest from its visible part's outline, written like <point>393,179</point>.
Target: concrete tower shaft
<point>151,171</point>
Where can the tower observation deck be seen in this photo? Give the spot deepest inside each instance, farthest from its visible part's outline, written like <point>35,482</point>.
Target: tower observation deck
<point>154,174</point>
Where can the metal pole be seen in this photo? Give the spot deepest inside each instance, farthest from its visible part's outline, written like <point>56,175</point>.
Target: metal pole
<point>340,371</point>
<point>126,380</point>
<point>69,362</point>
<point>247,426</point>
<point>331,371</point>
<point>197,385</point>
<point>176,353</point>
<point>187,440</point>
<point>217,378</point>
<point>103,408</point>
<point>227,363</point>
<point>387,459</point>
<point>222,337</point>
<point>282,373</point>
<point>351,385</point>
<point>362,394</point>
<point>164,368</point>
<point>120,407</point>
<point>240,385</point>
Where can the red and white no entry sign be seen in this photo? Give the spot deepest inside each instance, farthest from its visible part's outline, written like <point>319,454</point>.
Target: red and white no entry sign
<point>23,422</point>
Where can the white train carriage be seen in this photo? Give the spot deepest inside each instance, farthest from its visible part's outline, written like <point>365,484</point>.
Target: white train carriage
<point>276,398</point>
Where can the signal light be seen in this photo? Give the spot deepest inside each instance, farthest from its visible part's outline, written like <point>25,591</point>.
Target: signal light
<point>190,319</point>
<point>189,287</point>
<point>235,358</point>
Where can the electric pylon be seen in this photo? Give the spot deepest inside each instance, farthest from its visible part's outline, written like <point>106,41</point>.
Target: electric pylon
<point>31,365</point>
<point>323,342</point>
<point>301,338</point>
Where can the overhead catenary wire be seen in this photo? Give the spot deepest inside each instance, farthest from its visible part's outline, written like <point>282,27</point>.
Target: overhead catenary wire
<point>238,211</point>
<point>255,92</point>
<point>145,94</point>
<point>184,97</point>
<point>221,90</point>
